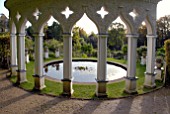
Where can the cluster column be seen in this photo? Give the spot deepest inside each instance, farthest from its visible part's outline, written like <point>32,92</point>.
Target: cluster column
<point>101,66</point>
<point>67,65</point>
<point>21,75</point>
<point>150,74</point>
<point>38,76</point>
<point>131,67</point>
<point>13,48</point>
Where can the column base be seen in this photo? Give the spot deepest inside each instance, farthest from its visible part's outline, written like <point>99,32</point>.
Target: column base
<point>150,80</point>
<point>14,70</point>
<point>21,76</point>
<point>39,82</point>
<point>130,85</point>
<point>101,90</point>
<point>67,87</point>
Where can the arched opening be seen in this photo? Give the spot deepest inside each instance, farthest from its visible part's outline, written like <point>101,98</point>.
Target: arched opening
<point>142,31</point>
<point>142,44</point>
<point>53,40</point>
<point>84,36</point>
<point>142,51</point>
<point>117,47</point>
<point>117,41</point>
<point>29,42</point>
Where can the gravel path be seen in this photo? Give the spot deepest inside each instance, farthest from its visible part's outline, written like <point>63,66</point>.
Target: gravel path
<point>14,100</point>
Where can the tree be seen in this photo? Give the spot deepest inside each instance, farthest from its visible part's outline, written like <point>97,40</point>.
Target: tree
<point>54,31</point>
<point>30,31</point>
<point>163,25</point>
<point>4,50</point>
<point>29,44</point>
<point>53,44</point>
<point>142,40</point>
<point>116,36</point>
<point>92,39</point>
<point>163,30</point>
<point>83,34</point>
<point>87,48</point>
<point>76,40</point>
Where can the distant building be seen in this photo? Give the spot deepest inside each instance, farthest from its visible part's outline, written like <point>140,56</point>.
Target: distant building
<point>4,23</point>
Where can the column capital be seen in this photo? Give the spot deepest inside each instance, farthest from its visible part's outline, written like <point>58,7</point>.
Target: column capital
<point>38,34</point>
<point>13,34</point>
<point>132,35</point>
<point>151,36</point>
<point>66,34</point>
<point>21,34</point>
<point>12,65</point>
<point>103,35</point>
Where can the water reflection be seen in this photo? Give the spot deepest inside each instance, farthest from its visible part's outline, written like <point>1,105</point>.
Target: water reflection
<point>57,66</point>
<point>83,68</point>
<point>84,71</point>
<point>46,69</point>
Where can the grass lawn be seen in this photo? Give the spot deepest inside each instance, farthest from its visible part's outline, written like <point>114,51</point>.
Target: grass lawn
<point>114,90</point>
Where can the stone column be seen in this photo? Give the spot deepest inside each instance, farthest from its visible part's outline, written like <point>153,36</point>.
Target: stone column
<point>101,66</point>
<point>150,74</point>
<point>13,48</point>
<point>38,76</point>
<point>21,76</point>
<point>131,66</point>
<point>67,66</point>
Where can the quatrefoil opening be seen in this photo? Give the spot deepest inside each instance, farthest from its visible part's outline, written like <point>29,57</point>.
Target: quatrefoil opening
<point>18,16</point>
<point>36,14</point>
<point>134,13</point>
<point>67,12</point>
<point>102,12</point>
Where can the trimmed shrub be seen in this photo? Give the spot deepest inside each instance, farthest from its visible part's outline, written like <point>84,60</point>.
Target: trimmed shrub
<point>161,52</point>
<point>124,49</point>
<point>118,54</point>
<point>4,50</point>
<point>167,58</point>
<point>142,51</point>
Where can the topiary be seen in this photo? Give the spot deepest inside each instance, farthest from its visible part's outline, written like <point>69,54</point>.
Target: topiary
<point>124,49</point>
<point>167,58</point>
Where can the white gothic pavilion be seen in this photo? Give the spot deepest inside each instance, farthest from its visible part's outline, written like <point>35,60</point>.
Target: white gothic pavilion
<point>67,13</point>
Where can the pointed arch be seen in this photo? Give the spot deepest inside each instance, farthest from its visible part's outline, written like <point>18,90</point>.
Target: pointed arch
<point>12,26</point>
<point>128,20</point>
<point>87,20</point>
<point>19,22</point>
<point>151,25</point>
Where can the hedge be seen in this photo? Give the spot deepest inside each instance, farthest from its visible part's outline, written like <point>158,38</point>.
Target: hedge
<point>4,50</point>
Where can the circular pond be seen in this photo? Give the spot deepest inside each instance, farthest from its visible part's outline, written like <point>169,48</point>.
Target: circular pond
<point>84,71</point>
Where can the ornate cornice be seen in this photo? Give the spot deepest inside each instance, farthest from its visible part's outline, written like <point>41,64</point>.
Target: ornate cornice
<point>39,11</point>
<point>13,3</point>
<point>152,1</point>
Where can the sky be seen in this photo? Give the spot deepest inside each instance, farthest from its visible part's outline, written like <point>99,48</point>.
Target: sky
<point>162,10</point>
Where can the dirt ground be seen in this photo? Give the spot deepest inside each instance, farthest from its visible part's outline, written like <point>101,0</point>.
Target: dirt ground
<point>14,100</point>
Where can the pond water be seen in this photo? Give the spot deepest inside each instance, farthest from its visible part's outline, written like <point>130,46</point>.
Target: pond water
<point>84,71</point>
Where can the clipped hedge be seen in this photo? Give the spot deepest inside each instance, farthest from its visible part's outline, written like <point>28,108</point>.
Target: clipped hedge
<point>4,50</point>
<point>167,57</point>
